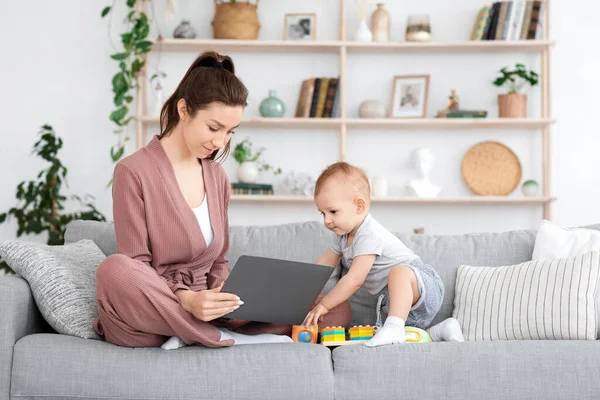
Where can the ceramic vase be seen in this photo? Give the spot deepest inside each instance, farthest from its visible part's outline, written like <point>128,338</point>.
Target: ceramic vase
<point>363,33</point>
<point>248,172</point>
<point>530,188</point>
<point>380,24</point>
<point>272,106</point>
<point>184,31</point>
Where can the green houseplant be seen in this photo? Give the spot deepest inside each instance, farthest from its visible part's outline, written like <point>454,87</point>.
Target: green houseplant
<point>131,60</point>
<point>41,203</point>
<point>513,104</point>
<point>250,162</point>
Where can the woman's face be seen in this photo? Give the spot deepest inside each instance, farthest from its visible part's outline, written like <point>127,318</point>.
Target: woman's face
<point>211,129</point>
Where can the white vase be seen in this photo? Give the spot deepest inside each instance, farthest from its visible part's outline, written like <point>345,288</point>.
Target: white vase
<point>248,172</point>
<point>363,33</point>
<point>379,186</point>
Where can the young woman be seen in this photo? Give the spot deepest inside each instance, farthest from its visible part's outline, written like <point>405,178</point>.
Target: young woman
<point>170,203</point>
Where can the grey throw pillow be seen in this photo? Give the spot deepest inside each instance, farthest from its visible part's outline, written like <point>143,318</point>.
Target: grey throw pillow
<point>62,280</point>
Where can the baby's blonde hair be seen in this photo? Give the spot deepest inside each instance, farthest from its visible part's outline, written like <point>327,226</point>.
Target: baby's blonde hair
<point>349,174</point>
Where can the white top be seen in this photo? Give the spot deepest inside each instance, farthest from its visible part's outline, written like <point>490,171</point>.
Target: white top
<point>201,213</point>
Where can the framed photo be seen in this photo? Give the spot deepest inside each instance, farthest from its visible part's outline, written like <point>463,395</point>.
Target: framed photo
<point>409,96</point>
<point>300,27</point>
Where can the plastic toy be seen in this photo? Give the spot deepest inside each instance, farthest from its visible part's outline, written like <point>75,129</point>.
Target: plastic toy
<point>305,334</point>
<point>333,334</point>
<point>416,335</point>
<point>360,332</point>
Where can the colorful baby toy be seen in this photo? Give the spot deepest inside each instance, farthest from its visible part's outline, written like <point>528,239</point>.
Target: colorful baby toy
<point>305,334</point>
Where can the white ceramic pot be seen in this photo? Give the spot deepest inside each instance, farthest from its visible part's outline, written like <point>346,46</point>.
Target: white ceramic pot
<point>363,33</point>
<point>248,172</point>
<point>379,186</point>
<point>371,109</point>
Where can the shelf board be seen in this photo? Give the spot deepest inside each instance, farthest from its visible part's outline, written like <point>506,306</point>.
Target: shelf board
<point>478,46</point>
<point>449,123</point>
<point>402,200</point>
<point>224,45</point>
<point>421,123</point>
<point>282,46</point>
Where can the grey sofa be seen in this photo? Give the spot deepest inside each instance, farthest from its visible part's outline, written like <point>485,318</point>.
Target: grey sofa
<point>36,363</point>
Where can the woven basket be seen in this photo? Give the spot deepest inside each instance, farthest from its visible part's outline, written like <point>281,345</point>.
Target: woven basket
<point>237,20</point>
<point>491,169</point>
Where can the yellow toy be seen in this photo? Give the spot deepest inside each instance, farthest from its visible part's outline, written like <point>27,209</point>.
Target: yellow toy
<point>333,334</point>
<point>360,332</point>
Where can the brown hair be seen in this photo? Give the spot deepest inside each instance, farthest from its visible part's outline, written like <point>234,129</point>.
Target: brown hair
<point>211,78</point>
<point>350,174</point>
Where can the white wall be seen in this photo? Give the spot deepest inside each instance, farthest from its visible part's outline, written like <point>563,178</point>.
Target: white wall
<point>55,68</point>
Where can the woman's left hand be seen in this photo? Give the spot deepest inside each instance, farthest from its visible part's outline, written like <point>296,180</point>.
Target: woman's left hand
<point>315,315</point>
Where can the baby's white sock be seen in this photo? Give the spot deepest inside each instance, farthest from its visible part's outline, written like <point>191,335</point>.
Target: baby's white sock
<point>173,343</point>
<point>253,339</point>
<point>392,332</point>
<point>447,331</point>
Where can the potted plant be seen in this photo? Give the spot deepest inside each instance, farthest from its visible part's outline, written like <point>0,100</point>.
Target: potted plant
<point>514,104</point>
<point>41,203</point>
<point>249,162</point>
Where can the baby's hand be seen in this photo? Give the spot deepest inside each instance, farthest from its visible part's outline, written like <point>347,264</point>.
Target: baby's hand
<point>315,315</point>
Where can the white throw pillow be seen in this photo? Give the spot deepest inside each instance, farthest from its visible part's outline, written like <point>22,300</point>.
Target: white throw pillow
<point>544,299</point>
<point>553,241</point>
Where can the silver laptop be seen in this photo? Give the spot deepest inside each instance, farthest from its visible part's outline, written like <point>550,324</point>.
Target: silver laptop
<point>275,291</point>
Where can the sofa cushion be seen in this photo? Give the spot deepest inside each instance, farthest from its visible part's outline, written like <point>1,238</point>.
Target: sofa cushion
<point>542,299</point>
<point>62,280</point>
<point>57,366</point>
<point>102,233</point>
<point>549,369</point>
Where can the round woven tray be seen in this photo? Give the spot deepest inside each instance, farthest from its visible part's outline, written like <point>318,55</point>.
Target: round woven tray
<point>491,169</point>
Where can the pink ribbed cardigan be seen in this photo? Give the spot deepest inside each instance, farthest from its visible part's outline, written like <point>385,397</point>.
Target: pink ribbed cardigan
<point>155,225</point>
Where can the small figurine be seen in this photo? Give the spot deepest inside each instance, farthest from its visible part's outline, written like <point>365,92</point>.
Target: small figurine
<point>453,101</point>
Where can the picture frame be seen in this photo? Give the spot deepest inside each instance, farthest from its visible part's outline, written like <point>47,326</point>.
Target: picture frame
<point>409,96</point>
<point>300,26</point>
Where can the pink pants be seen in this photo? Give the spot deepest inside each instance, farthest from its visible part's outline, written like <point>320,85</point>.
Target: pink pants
<point>137,309</point>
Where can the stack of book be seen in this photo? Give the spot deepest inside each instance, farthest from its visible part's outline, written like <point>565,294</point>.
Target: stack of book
<point>251,188</point>
<point>462,114</point>
<point>318,98</point>
<point>509,20</point>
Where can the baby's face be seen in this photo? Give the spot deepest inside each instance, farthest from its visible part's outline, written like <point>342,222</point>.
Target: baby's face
<point>337,205</point>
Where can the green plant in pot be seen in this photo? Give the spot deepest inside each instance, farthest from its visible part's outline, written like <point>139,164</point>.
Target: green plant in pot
<point>250,163</point>
<point>513,104</point>
<point>41,203</point>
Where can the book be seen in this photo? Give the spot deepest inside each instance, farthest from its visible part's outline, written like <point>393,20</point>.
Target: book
<point>252,188</point>
<point>480,23</point>
<point>467,114</point>
<point>305,98</point>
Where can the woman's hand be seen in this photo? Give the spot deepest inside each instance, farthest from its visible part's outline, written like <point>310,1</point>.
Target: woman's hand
<point>210,304</point>
<point>315,315</point>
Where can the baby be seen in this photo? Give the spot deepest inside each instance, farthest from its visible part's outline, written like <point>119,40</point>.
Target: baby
<point>410,292</point>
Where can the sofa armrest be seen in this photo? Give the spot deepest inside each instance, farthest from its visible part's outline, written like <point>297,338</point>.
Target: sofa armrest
<point>19,317</point>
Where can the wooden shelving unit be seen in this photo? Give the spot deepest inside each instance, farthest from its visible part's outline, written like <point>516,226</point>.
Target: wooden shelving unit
<point>343,47</point>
